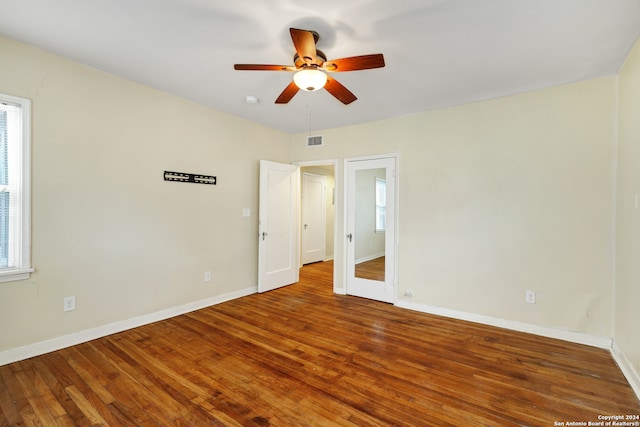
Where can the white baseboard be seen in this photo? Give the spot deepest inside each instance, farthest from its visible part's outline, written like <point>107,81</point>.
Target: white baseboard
<point>571,336</point>
<point>369,258</point>
<point>31,350</point>
<point>627,368</point>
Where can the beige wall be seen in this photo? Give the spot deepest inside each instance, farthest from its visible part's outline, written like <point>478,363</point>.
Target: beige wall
<point>106,227</point>
<point>627,313</point>
<point>499,197</point>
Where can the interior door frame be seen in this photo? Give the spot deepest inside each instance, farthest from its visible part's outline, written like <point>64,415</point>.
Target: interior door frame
<point>337,176</point>
<point>345,217</point>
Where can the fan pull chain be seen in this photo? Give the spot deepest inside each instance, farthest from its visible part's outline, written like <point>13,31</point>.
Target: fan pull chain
<point>308,113</point>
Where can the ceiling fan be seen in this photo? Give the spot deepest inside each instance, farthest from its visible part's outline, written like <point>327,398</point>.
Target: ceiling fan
<point>311,65</point>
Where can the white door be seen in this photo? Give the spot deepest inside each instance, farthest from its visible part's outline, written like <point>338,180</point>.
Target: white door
<point>371,228</point>
<point>279,230</point>
<point>314,190</point>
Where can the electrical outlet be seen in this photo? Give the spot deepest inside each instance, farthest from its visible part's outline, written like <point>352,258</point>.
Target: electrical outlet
<point>408,293</point>
<point>207,276</point>
<point>69,304</point>
<point>530,297</point>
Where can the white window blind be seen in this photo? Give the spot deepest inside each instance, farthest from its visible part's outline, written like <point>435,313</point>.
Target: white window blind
<point>15,259</point>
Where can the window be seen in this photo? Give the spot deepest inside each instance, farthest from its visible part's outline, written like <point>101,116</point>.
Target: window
<point>381,204</point>
<point>15,215</point>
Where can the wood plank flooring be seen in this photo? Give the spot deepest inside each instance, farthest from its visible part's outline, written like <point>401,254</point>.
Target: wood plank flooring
<point>302,356</point>
<point>372,270</point>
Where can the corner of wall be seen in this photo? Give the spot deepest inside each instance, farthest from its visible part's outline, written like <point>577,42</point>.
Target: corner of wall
<point>626,367</point>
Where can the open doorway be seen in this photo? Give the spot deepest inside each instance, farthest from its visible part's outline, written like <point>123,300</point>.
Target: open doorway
<point>318,212</point>
<point>314,210</point>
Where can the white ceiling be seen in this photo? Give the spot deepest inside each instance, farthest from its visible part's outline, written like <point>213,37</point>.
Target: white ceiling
<point>438,52</point>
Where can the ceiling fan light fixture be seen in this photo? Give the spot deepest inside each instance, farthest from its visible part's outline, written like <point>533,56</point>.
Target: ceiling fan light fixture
<point>310,79</point>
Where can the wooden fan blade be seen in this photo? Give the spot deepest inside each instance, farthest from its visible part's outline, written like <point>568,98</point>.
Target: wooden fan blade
<point>354,63</point>
<point>288,93</point>
<point>263,67</point>
<point>336,89</point>
<point>305,45</point>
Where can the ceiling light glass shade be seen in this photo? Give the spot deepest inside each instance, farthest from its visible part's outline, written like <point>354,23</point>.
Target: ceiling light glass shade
<point>310,80</point>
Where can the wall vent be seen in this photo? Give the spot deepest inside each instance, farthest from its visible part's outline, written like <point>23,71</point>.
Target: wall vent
<point>314,141</point>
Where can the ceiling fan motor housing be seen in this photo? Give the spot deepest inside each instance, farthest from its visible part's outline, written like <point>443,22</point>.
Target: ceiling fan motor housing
<point>321,58</point>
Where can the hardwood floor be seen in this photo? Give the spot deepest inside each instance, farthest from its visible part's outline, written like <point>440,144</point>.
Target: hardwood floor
<point>302,356</point>
<point>373,270</point>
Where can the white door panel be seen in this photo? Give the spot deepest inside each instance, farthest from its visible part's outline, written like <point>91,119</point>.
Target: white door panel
<point>278,257</point>
<point>367,240</point>
<point>313,217</point>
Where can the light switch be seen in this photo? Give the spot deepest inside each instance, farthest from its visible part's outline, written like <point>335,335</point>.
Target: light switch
<point>246,212</point>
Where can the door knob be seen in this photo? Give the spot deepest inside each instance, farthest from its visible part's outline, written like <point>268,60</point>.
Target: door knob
<point>264,234</point>
<point>349,236</point>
